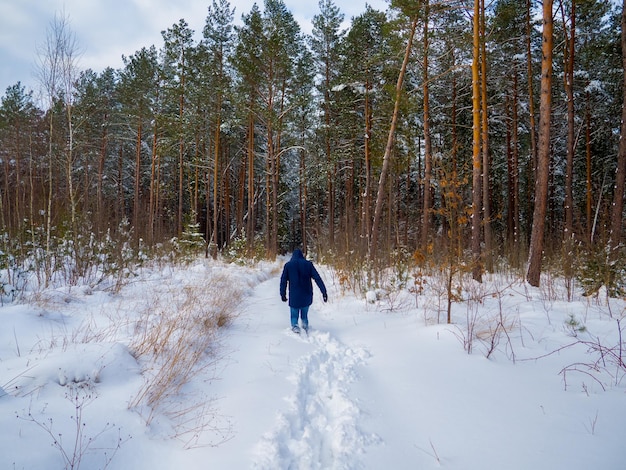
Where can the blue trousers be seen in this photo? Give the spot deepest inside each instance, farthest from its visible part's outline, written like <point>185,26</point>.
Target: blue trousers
<point>303,313</point>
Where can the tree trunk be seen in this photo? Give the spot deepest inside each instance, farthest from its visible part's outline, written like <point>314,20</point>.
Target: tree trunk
<point>100,179</point>
<point>18,178</point>
<point>269,177</point>
<point>485,143</point>
<point>303,200</point>
<point>531,106</point>
<point>157,192</point>
<point>197,176</point>
<point>515,169</point>
<point>241,194</point>
<point>70,164</point>
<point>588,165</point>
<point>388,149</point>
<point>153,186</point>
<point>428,146</point>
<point>181,153</point>
<point>367,203</point>
<point>226,204</point>
<point>456,246</point>
<point>4,192</point>
<point>533,274</point>
<point>216,170</point>
<point>476,156</point>
<point>568,78</point>
<point>251,215</point>
<point>328,150</point>
<point>513,172</point>
<point>181,139</point>
<point>620,176</point>
<point>510,180</point>
<point>349,232</point>
<point>119,208</point>
<point>138,143</point>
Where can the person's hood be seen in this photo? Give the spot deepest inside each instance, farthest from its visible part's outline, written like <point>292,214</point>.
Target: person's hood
<point>297,254</point>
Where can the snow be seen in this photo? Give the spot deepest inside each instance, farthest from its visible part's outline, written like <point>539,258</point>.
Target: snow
<point>379,382</point>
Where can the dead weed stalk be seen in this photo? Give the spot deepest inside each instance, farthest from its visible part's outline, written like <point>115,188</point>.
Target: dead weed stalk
<point>177,341</point>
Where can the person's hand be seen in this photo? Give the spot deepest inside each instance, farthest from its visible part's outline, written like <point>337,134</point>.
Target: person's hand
<point>283,298</point>
<point>325,296</point>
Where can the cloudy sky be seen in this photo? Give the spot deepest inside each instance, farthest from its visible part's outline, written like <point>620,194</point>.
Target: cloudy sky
<point>107,29</point>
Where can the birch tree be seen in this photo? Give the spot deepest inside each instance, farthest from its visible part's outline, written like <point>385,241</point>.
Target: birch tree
<point>56,70</point>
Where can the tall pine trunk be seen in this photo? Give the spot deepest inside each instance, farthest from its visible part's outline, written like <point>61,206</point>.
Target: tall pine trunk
<point>428,146</point>
<point>302,200</point>
<point>367,202</point>
<point>153,186</point>
<point>568,78</point>
<point>620,176</point>
<point>181,152</point>
<point>486,187</point>
<point>476,155</point>
<point>250,230</point>
<point>531,105</point>
<point>513,170</point>
<point>138,144</point>
<point>589,170</point>
<point>535,256</point>
<point>216,171</point>
<point>388,149</point>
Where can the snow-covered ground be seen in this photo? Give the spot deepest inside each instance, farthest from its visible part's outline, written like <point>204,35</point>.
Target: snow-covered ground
<point>374,385</point>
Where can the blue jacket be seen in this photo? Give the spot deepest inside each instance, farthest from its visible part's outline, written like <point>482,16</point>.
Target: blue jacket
<point>298,273</point>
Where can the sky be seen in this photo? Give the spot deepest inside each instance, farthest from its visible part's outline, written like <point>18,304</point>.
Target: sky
<point>107,29</point>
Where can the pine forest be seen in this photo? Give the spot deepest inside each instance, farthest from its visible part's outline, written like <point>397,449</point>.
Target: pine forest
<point>462,135</point>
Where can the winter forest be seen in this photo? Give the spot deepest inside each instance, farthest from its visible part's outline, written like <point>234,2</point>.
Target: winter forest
<point>465,134</point>
<point>454,168</point>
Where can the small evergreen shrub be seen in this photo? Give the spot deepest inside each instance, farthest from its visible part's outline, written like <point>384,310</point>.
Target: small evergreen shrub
<point>241,252</point>
<point>573,326</point>
<point>602,266</point>
<point>191,243</point>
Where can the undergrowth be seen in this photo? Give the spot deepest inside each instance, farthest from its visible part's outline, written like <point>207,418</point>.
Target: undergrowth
<point>177,339</point>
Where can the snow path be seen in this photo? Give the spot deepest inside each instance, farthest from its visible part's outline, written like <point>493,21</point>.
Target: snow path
<point>309,420</point>
<point>320,428</point>
<point>371,390</point>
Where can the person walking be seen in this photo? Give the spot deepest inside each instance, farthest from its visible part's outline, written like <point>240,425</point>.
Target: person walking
<point>297,274</point>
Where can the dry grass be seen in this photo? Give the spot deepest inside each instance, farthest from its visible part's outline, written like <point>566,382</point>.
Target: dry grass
<point>177,339</point>
<point>174,333</point>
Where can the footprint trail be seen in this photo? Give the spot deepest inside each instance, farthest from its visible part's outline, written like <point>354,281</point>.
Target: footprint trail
<point>320,429</point>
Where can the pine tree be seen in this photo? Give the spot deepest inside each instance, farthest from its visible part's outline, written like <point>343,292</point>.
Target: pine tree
<point>326,40</point>
<point>138,93</point>
<point>535,256</point>
<point>217,35</point>
<point>247,64</point>
<point>359,96</point>
<point>620,174</point>
<point>412,13</point>
<point>476,145</point>
<point>281,42</point>
<point>20,142</point>
<point>177,51</point>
